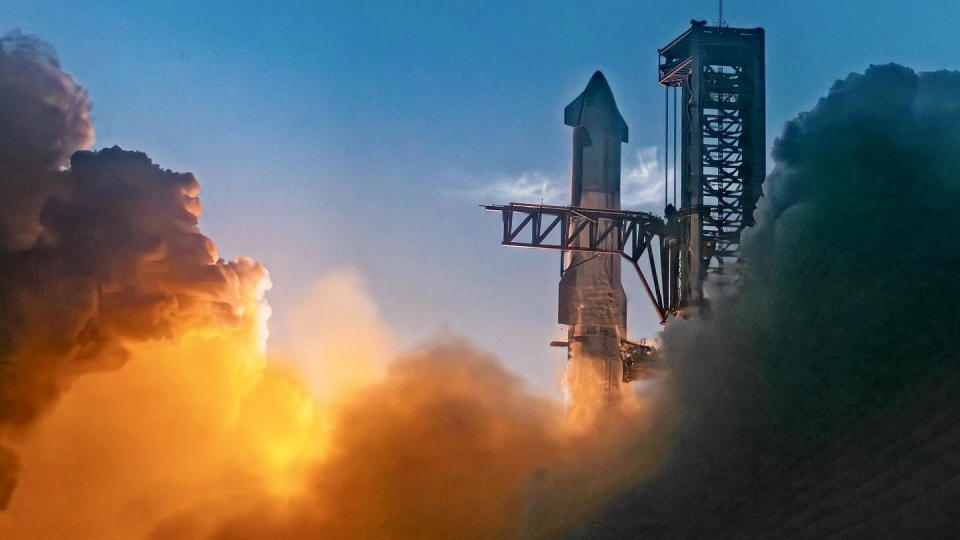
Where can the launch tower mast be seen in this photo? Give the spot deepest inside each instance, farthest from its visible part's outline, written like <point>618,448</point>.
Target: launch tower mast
<point>720,73</point>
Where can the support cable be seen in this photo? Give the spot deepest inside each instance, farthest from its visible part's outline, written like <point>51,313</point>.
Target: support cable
<point>666,143</point>
<point>675,147</point>
<point>585,261</point>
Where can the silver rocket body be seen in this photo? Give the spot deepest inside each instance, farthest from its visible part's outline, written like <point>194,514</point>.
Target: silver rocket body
<point>592,302</point>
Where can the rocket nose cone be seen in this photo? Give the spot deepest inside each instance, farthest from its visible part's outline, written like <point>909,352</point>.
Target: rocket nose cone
<point>598,79</point>
<point>599,87</point>
<point>599,92</point>
<point>598,97</point>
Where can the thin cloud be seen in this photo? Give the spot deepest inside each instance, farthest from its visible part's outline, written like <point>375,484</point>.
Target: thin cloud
<point>641,184</point>
<point>527,187</point>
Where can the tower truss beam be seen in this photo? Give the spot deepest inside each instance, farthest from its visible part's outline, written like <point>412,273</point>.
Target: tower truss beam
<point>636,236</point>
<point>721,73</point>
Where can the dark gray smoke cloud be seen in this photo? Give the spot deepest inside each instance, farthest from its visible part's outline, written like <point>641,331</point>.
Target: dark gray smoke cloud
<point>93,256</point>
<point>46,118</point>
<point>826,398</point>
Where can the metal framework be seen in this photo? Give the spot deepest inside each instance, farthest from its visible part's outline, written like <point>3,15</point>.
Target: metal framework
<point>721,73</point>
<point>640,361</point>
<point>635,235</point>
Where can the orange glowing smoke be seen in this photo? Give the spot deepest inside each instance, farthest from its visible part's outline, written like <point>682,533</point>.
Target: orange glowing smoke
<point>137,399</point>
<point>197,419</point>
<point>204,437</point>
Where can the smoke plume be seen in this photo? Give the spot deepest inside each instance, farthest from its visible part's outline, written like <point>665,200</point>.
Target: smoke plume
<point>95,256</point>
<point>46,118</point>
<point>137,399</point>
<point>823,400</point>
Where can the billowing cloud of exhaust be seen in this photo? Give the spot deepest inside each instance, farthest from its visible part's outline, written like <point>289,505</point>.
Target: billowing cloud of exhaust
<point>46,118</point>
<point>442,445</point>
<point>823,400</point>
<point>834,367</point>
<point>336,338</point>
<point>95,256</point>
<point>138,401</point>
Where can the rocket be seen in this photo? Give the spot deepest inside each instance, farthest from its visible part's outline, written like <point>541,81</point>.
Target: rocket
<point>592,302</point>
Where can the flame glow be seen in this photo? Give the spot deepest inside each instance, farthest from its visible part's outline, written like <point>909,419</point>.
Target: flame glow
<point>138,398</point>
<point>204,436</point>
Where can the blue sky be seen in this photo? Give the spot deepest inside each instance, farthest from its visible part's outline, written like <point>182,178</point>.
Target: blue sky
<point>362,135</point>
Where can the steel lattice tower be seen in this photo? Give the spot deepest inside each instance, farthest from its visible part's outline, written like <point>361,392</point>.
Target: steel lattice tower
<point>722,161</point>
<point>720,71</point>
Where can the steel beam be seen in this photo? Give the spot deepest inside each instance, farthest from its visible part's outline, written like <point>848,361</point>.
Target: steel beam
<point>723,148</point>
<point>588,230</point>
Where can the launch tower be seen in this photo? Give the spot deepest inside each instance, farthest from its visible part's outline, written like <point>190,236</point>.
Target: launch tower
<point>720,74</point>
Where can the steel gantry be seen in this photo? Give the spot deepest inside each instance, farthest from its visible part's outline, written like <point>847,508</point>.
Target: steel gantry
<point>636,236</point>
<point>720,72</point>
